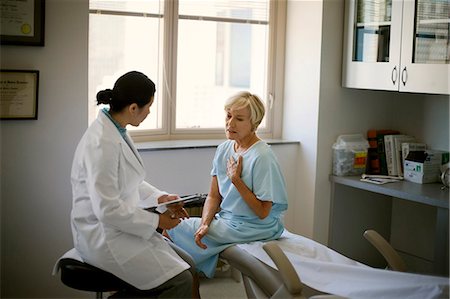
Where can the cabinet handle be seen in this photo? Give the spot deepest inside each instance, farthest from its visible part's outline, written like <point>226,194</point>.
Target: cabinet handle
<point>394,75</point>
<point>404,76</point>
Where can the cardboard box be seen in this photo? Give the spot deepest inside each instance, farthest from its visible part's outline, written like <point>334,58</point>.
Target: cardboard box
<point>424,166</point>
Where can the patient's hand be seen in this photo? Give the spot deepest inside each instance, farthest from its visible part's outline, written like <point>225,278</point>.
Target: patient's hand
<point>234,168</point>
<point>199,234</point>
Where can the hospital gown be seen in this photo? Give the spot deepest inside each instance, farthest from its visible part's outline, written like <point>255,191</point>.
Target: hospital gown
<point>236,222</point>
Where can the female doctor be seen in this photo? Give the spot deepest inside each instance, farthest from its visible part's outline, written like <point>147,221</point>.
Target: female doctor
<point>111,229</point>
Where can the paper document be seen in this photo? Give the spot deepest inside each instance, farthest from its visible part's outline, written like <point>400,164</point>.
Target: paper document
<point>380,179</point>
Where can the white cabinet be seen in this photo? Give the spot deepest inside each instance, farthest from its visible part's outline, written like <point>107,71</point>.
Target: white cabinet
<point>400,45</point>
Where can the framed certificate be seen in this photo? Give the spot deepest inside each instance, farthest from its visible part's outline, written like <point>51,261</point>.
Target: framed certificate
<point>18,94</point>
<point>22,22</point>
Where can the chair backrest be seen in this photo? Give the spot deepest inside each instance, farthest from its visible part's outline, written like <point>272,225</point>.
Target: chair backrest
<point>394,260</point>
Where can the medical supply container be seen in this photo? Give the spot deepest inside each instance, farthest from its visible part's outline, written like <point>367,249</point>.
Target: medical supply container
<point>350,155</point>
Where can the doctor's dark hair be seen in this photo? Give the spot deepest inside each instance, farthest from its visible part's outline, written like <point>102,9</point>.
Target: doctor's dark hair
<point>132,87</point>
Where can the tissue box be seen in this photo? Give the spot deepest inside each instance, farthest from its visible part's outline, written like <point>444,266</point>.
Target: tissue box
<point>424,166</point>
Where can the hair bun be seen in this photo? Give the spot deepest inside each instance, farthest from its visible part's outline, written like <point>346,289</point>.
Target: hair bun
<point>104,96</point>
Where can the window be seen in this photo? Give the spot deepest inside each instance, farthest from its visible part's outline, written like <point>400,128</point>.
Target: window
<point>198,53</point>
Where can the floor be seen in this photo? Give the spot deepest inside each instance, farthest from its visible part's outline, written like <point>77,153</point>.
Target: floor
<point>221,288</point>
<point>226,284</point>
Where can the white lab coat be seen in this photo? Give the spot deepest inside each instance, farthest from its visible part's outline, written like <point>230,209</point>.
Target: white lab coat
<point>109,229</point>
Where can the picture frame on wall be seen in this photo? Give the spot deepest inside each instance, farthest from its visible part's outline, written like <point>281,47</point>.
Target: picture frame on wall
<point>22,22</point>
<point>19,94</point>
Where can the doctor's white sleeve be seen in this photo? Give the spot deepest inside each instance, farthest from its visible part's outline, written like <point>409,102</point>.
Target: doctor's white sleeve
<point>149,195</point>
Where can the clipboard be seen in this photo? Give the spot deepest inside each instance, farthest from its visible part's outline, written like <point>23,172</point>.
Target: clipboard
<point>184,199</point>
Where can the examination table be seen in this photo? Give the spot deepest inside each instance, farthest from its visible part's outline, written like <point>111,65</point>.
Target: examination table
<point>318,269</point>
<point>322,270</point>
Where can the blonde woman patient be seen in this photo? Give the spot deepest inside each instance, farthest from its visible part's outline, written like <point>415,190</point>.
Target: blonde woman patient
<point>247,196</point>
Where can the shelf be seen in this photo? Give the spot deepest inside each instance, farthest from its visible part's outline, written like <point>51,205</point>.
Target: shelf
<point>430,194</point>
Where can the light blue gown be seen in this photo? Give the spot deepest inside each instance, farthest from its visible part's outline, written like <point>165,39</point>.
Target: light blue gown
<point>236,222</point>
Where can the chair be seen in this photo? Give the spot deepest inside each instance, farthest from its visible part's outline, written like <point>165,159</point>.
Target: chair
<point>394,260</point>
<point>85,277</point>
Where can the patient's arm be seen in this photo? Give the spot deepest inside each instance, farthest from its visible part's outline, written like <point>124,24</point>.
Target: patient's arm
<point>210,208</point>
<point>259,207</point>
<point>212,202</point>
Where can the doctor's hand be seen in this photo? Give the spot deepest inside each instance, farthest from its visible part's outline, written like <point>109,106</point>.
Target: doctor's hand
<point>168,220</point>
<point>178,211</point>
<point>199,234</point>
<point>167,197</point>
<point>177,208</point>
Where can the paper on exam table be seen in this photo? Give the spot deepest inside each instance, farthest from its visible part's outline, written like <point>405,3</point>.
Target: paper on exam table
<point>328,271</point>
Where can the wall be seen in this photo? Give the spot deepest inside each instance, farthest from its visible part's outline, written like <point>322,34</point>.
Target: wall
<point>301,93</point>
<point>343,111</point>
<point>187,171</point>
<point>317,109</point>
<point>36,155</point>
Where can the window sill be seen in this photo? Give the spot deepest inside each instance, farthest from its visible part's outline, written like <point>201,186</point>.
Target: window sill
<point>194,144</point>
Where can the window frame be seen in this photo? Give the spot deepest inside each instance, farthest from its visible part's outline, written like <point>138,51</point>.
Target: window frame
<point>275,78</point>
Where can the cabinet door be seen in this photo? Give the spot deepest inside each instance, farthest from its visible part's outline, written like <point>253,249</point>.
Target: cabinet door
<point>372,40</point>
<point>425,50</point>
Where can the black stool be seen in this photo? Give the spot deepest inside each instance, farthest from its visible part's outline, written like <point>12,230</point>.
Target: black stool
<point>85,277</point>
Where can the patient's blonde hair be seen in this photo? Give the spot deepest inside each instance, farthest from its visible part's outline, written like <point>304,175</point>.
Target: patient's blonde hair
<point>253,102</point>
